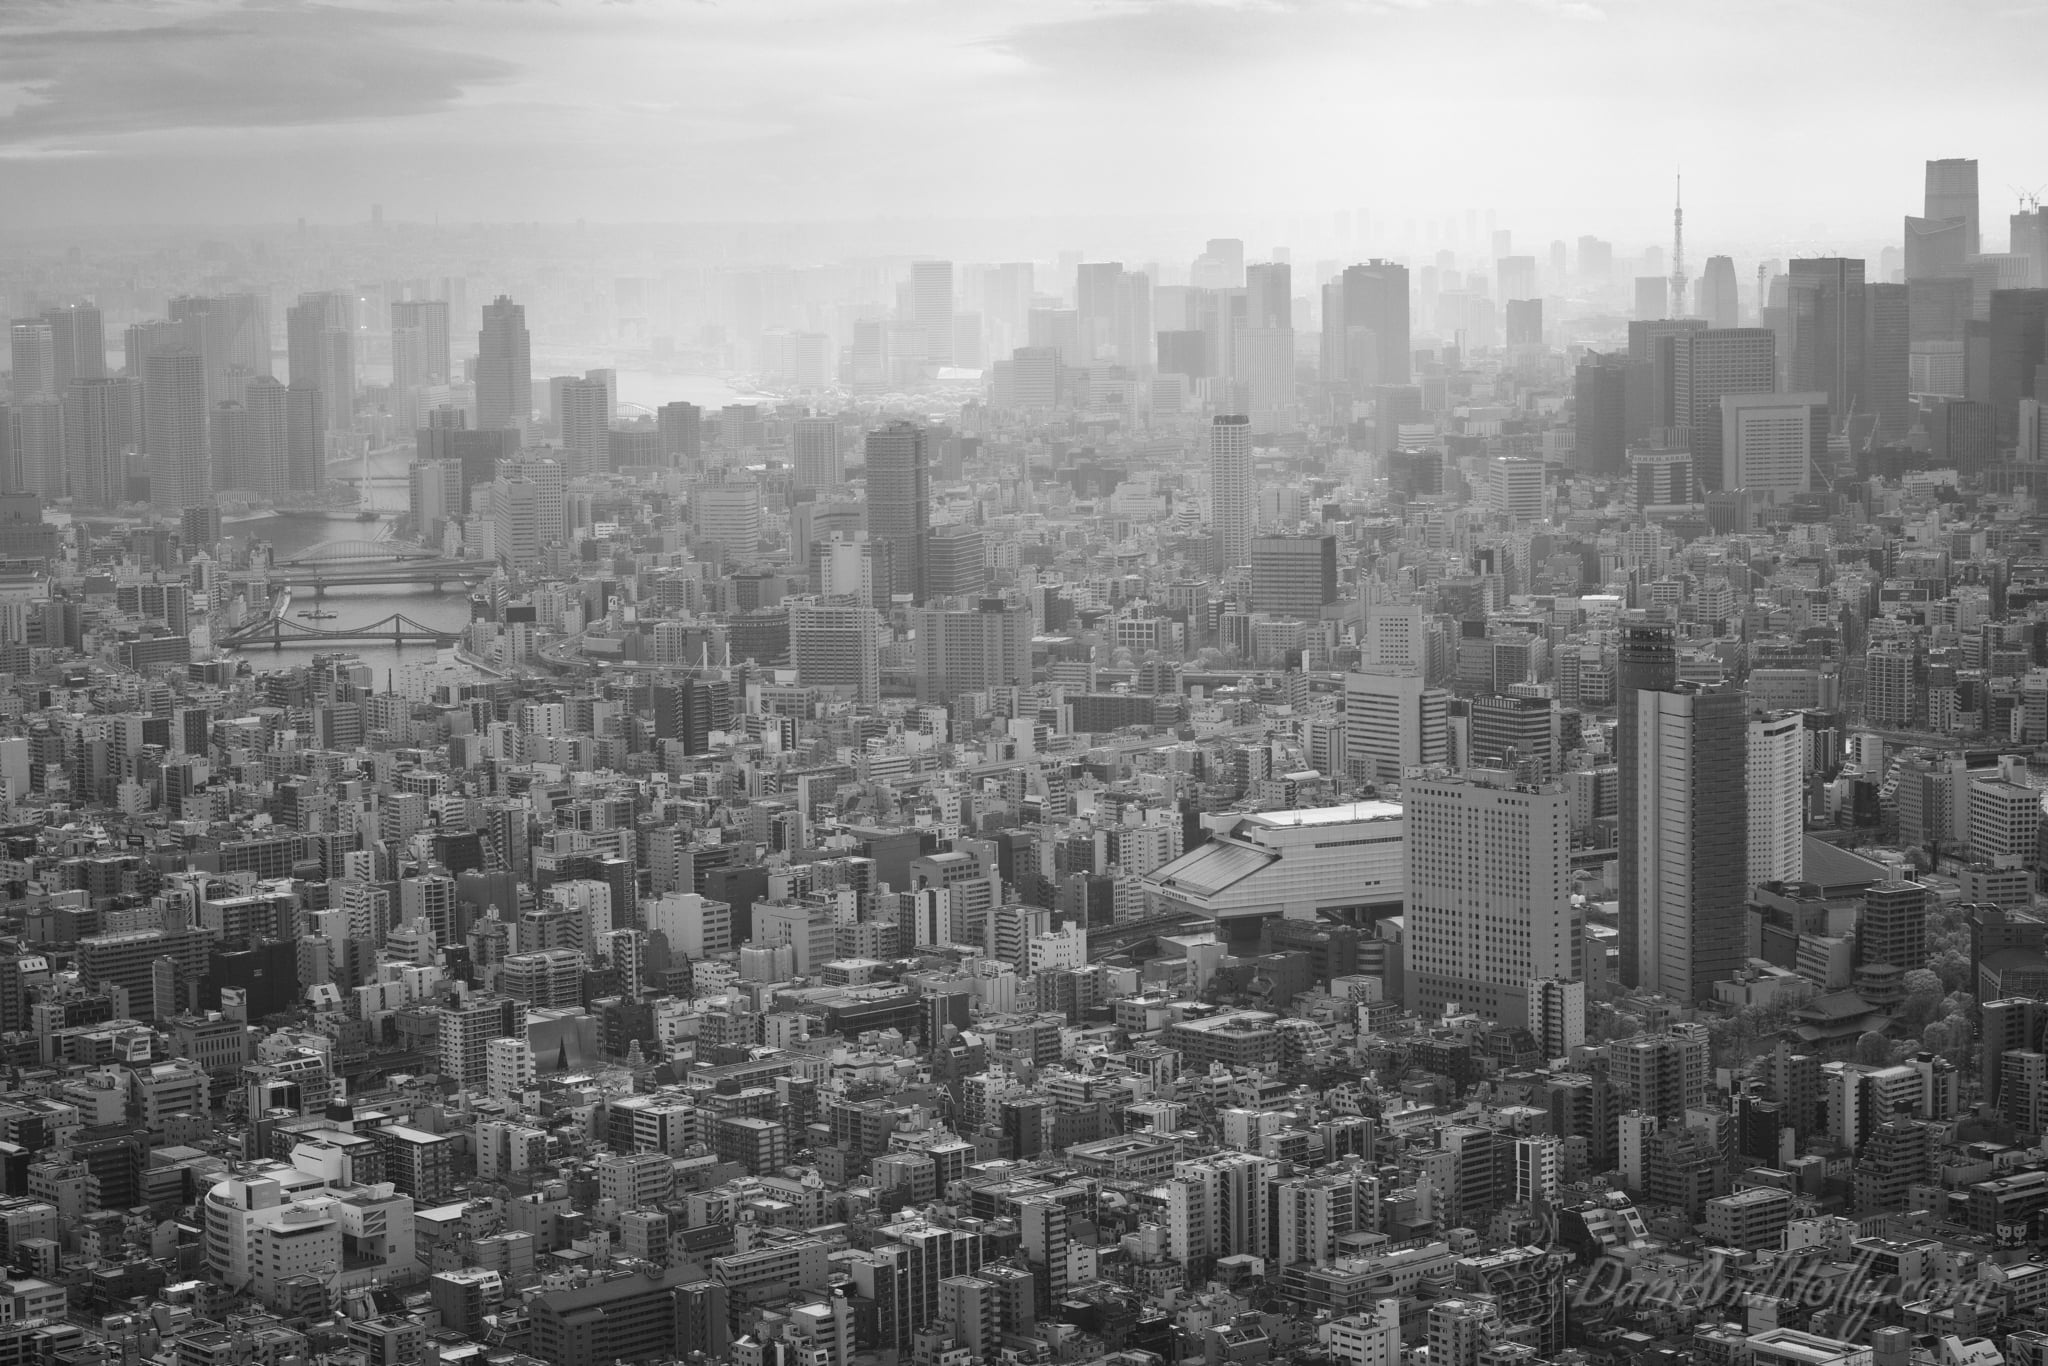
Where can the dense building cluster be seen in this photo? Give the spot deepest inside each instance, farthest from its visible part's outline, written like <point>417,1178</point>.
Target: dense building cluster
<point>1472,814</point>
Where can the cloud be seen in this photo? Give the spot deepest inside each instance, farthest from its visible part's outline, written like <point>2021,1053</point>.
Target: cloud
<point>259,65</point>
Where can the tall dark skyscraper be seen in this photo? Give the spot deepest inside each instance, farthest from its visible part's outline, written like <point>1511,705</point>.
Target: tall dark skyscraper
<point>1646,662</point>
<point>2019,348</point>
<point>320,354</point>
<point>1952,193</point>
<point>1826,303</point>
<point>1373,340</point>
<point>1600,410</point>
<point>1653,360</point>
<point>1707,366</point>
<point>899,495</point>
<point>504,372</point>
<point>1886,358</point>
<point>1690,811</point>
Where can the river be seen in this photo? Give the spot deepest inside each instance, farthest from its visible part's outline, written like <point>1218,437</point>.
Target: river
<point>289,536</point>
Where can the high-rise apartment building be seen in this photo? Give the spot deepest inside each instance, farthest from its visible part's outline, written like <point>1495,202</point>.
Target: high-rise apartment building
<point>78,344</point>
<point>1826,322</point>
<point>504,369</point>
<point>231,333</point>
<point>1233,501</point>
<point>1489,892</point>
<point>320,354</point>
<point>267,404</point>
<point>586,431</point>
<point>836,645</point>
<point>814,454</point>
<point>1777,797</point>
<point>99,436</point>
<point>899,503</point>
<point>34,361</point>
<point>1690,819</point>
<point>972,649</point>
<point>174,429</point>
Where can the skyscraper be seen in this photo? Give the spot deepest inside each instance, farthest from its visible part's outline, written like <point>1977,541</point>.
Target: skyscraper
<point>1232,499</point>
<point>1826,306</point>
<point>1707,366</point>
<point>1719,303</point>
<point>504,373</point>
<point>814,453</point>
<point>1952,193</point>
<point>1692,837</point>
<point>78,343</point>
<point>1769,442</point>
<point>174,429</point>
<point>1600,413</point>
<point>231,333</point>
<point>1489,892</point>
<point>320,354</point>
<point>931,306</point>
<point>99,432</point>
<point>585,433</point>
<point>1372,341</point>
<point>34,359</point>
<point>1776,782</point>
<point>1646,662</point>
<point>2019,348</point>
<point>419,354</point>
<point>269,436</point>
<point>1935,248</point>
<point>1887,359</point>
<point>899,503</point>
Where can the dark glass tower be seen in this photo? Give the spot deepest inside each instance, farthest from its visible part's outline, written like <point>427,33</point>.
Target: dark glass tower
<point>899,503</point>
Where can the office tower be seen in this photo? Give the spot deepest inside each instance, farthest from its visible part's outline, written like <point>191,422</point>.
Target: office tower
<point>504,369</point>
<point>955,565</point>
<point>174,429</point>
<point>1935,248</point>
<point>1396,637</point>
<point>99,434</point>
<point>1952,193</point>
<point>1366,341</point>
<point>1719,303</point>
<point>1770,442</point>
<point>1707,366</point>
<point>1517,733</point>
<point>1514,488</point>
<point>1393,721</point>
<point>320,354</point>
<point>1232,498</point>
<point>1525,322</point>
<point>1825,312</point>
<point>419,355</point>
<point>931,305</point>
<point>231,333</point>
<point>1653,298</point>
<point>727,516</point>
<point>34,355</point>
<point>1515,276</point>
<point>1095,308</point>
<point>1653,373</point>
<point>1777,797</point>
<point>1294,576</point>
<point>2019,348</point>
<point>550,492</point>
<point>972,649</point>
<point>586,434</point>
<point>1489,892</point>
<point>2032,446</point>
<point>899,504</point>
<point>1887,358</point>
<point>1263,348</point>
<point>78,344</point>
<point>269,435</point>
<point>1600,414</point>
<point>515,517</point>
<point>1646,662</point>
<point>836,645</point>
<point>1691,835</point>
<point>814,454</point>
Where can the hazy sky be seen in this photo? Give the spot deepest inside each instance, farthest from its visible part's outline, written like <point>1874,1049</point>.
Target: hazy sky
<point>1795,122</point>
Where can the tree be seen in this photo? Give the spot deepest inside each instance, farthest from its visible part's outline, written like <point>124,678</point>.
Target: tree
<point>1873,1048</point>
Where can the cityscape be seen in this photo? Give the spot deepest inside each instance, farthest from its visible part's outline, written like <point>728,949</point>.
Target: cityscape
<point>1408,787</point>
